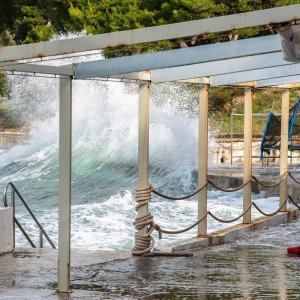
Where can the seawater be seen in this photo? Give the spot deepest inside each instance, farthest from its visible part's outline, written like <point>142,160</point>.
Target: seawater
<point>104,161</point>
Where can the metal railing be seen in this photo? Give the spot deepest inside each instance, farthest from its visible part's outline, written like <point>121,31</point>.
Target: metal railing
<point>42,232</point>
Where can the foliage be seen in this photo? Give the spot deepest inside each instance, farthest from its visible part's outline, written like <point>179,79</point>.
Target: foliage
<point>28,21</point>
<point>37,20</point>
<point>4,85</point>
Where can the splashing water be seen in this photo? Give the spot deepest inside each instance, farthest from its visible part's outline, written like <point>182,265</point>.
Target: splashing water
<point>104,161</point>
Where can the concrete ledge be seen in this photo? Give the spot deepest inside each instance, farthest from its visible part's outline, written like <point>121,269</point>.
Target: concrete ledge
<point>232,233</point>
<point>6,230</point>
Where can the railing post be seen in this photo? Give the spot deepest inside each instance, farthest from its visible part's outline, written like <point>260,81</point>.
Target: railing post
<point>41,238</point>
<point>284,140</point>
<point>13,204</point>
<point>143,141</point>
<point>247,152</point>
<point>231,137</point>
<point>202,158</point>
<point>64,213</point>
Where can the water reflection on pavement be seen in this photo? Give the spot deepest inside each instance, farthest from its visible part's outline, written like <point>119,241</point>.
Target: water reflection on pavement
<point>253,267</point>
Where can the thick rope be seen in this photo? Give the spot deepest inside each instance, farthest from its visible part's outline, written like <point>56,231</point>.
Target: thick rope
<point>200,189</point>
<point>233,220</point>
<point>230,189</point>
<point>270,214</point>
<point>144,225</point>
<point>184,229</point>
<point>291,199</point>
<point>179,198</point>
<point>270,185</point>
<point>292,177</point>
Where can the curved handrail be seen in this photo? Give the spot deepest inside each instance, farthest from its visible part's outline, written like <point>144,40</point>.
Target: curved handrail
<point>42,231</point>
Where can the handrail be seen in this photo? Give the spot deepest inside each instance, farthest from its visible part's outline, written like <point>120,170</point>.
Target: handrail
<point>41,229</point>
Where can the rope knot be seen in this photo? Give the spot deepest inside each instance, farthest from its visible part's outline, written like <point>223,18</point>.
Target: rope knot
<point>143,196</point>
<point>145,225</point>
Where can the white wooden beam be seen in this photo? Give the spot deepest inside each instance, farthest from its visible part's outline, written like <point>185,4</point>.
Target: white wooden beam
<point>64,212</point>
<point>284,142</point>
<point>202,158</point>
<point>247,152</point>
<point>37,68</point>
<point>219,67</point>
<point>255,75</point>
<point>292,81</point>
<point>143,141</point>
<point>151,34</point>
<point>178,57</point>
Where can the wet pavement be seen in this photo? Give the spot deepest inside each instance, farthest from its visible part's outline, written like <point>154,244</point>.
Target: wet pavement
<point>254,267</point>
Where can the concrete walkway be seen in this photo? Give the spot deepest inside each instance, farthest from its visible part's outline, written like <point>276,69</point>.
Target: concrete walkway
<point>31,273</point>
<point>253,267</point>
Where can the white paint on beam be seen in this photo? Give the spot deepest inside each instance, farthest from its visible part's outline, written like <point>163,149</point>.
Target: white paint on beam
<point>284,142</point>
<point>143,141</point>
<point>248,121</point>
<point>286,80</point>
<point>64,212</point>
<point>152,34</point>
<point>219,67</point>
<point>178,57</point>
<point>36,68</point>
<point>253,75</point>
<point>202,158</point>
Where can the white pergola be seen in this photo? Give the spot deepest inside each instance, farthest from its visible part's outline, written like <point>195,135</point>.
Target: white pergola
<point>255,62</point>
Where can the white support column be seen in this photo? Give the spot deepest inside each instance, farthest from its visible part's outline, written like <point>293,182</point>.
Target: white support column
<point>284,140</point>
<point>202,158</point>
<point>143,140</point>
<point>247,152</point>
<point>65,153</point>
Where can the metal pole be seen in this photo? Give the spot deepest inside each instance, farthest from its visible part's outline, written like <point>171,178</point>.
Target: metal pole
<point>202,158</point>
<point>13,204</point>
<point>64,214</point>
<point>284,146</point>
<point>231,136</point>
<point>247,152</point>
<point>143,140</point>
<point>41,239</point>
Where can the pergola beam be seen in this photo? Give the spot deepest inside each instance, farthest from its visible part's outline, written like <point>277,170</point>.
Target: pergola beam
<point>178,57</point>
<point>151,34</point>
<point>254,75</point>
<point>219,67</point>
<point>292,81</point>
<point>40,69</point>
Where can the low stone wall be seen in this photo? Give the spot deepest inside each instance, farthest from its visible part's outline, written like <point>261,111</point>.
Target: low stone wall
<point>232,233</point>
<point>11,139</point>
<point>6,230</point>
<point>224,150</point>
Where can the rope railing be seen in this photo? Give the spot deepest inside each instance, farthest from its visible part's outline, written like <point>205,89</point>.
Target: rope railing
<point>292,200</point>
<point>271,214</point>
<point>209,213</point>
<point>184,229</point>
<point>230,190</point>
<point>270,185</point>
<point>293,178</point>
<point>145,225</point>
<point>180,198</point>
<point>232,220</point>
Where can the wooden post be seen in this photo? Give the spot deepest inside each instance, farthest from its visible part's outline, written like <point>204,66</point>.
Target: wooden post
<point>202,158</point>
<point>64,214</point>
<point>143,140</point>
<point>284,140</point>
<point>247,152</point>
